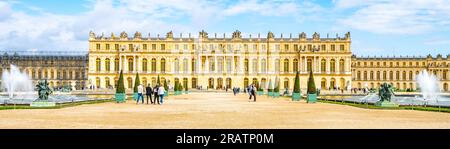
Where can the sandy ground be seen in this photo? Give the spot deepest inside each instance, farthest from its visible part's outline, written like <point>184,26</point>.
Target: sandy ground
<point>219,110</point>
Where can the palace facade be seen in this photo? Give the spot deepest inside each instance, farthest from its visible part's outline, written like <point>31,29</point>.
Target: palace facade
<point>60,69</point>
<point>219,61</point>
<point>401,72</point>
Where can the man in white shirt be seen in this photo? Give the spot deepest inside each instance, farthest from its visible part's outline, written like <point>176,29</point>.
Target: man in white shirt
<point>140,95</point>
<point>161,92</point>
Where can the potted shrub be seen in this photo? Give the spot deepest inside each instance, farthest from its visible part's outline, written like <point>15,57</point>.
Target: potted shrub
<point>259,88</point>
<point>270,89</point>
<point>276,90</point>
<point>312,96</point>
<point>120,90</point>
<point>175,89</point>
<point>296,94</point>
<point>186,89</point>
<point>135,89</point>
<point>166,93</point>
<point>180,88</point>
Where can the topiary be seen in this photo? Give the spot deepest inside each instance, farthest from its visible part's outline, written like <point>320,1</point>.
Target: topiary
<point>136,83</point>
<point>120,85</point>
<point>297,83</point>
<point>311,84</point>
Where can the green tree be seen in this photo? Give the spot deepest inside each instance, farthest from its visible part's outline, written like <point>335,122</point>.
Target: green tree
<point>277,85</point>
<point>270,89</point>
<point>311,84</point>
<point>136,83</point>
<point>297,83</point>
<point>165,85</point>
<point>158,82</point>
<point>120,85</point>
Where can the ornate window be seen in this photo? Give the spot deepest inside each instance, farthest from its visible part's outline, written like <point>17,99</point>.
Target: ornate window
<point>246,65</point>
<point>144,65</point>
<point>277,65</point>
<point>176,64</point>
<point>107,83</point>
<point>286,65</point>
<point>116,64</point>
<point>255,65</point>
<point>263,65</point>
<point>309,65</point>
<point>295,64</point>
<point>153,65</point>
<point>342,65</point>
<point>185,65</point>
<point>323,65</point>
<point>333,65</point>
<point>107,64</point>
<point>163,65</point>
<point>97,64</point>
<point>130,64</point>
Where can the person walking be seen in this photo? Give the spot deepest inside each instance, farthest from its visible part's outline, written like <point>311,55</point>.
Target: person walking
<point>254,93</point>
<point>161,92</point>
<point>155,93</point>
<point>249,91</point>
<point>148,93</point>
<point>140,91</point>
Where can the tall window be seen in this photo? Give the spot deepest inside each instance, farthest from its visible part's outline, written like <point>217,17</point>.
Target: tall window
<point>228,65</point>
<point>185,65</point>
<point>323,65</point>
<point>153,65</point>
<point>193,66</point>
<point>410,75</point>
<point>404,75</point>
<point>144,65</point>
<point>144,46</point>
<point>153,46</point>
<point>277,65</point>
<point>384,75</point>
<point>323,48</point>
<point>107,83</point>
<point>220,65</point>
<point>358,75</point>
<point>263,66</point>
<point>246,65</point>
<point>107,64</point>
<point>255,65</point>
<point>342,65</point>
<point>211,64</point>
<point>163,47</point>
<point>286,65</point>
<point>116,47</point>
<point>176,64</point>
<point>391,75</point>
<point>333,65</point>
<point>333,47</point>
<point>97,46</point>
<point>130,64</point>
<point>365,75</point>
<point>130,47</point>
<point>107,47</point>
<point>342,47</point>
<point>163,65</point>
<point>116,64</point>
<point>308,64</point>
<point>97,64</point>
<point>295,64</point>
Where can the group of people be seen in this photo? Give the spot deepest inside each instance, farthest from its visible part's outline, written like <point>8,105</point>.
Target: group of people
<point>157,92</point>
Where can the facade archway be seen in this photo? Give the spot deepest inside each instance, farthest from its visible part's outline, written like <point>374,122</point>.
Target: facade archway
<point>323,83</point>
<point>228,83</point>
<point>445,87</point>
<point>332,83</point>
<point>211,83</point>
<point>219,83</point>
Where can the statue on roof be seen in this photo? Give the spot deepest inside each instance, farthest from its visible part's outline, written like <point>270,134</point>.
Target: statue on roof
<point>270,35</point>
<point>137,35</point>
<point>123,35</point>
<point>347,35</point>
<point>316,36</point>
<point>236,34</point>
<point>91,34</point>
<point>303,35</point>
<point>203,34</point>
<point>112,35</point>
<point>169,34</point>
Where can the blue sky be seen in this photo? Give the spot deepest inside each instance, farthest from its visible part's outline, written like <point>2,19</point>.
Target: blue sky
<point>378,27</point>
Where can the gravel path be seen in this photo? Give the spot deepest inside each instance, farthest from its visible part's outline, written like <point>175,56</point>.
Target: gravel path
<point>220,110</point>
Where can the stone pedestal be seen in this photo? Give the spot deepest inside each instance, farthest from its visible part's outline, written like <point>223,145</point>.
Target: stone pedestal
<point>311,98</point>
<point>386,104</point>
<point>42,104</point>
<point>296,96</point>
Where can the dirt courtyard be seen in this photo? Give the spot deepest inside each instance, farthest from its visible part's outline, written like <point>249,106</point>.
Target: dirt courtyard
<point>220,110</point>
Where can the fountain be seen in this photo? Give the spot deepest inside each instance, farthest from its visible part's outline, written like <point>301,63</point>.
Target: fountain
<point>14,80</point>
<point>20,90</point>
<point>429,86</point>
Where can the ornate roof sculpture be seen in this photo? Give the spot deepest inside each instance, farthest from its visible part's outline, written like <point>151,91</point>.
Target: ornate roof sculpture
<point>203,34</point>
<point>347,35</point>
<point>169,35</point>
<point>123,35</point>
<point>137,35</point>
<point>270,35</point>
<point>236,35</point>
<point>302,35</point>
<point>112,35</point>
<point>91,35</point>
<point>316,36</point>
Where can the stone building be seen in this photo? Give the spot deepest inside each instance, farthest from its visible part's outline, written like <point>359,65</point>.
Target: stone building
<point>59,68</point>
<point>220,61</point>
<point>401,72</point>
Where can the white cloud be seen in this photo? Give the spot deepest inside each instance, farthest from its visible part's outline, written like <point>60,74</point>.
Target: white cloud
<point>397,17</point>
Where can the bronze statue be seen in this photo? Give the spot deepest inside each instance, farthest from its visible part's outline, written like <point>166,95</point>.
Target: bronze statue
<point>385,92</point>
<point>43,90</point>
